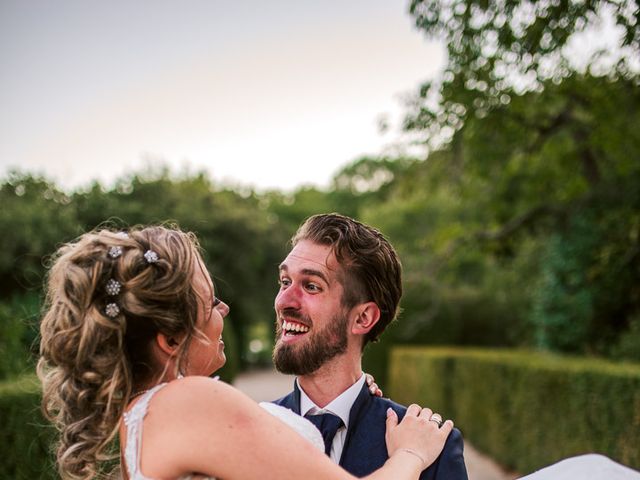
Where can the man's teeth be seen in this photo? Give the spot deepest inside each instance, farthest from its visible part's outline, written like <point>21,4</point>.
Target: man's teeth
<point>294,327</point>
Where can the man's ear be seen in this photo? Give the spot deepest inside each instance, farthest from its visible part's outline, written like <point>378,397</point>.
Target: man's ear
<point>368,315</point>
<point>168,344</point>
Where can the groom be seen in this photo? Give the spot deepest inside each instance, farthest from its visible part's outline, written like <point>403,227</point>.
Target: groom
<point>340,287</point>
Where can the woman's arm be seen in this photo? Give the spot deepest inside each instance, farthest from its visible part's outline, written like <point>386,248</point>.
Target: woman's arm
<point>199,425</point>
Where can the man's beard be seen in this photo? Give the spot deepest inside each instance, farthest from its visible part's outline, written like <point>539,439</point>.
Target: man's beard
<point>319,348</point>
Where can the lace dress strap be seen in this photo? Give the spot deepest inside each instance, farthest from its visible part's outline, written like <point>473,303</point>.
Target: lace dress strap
<point>133,422</point>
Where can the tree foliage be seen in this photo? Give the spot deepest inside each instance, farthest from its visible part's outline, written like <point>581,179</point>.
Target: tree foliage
<point>35,216</point>
<point>500,49</point>
<point>536,156</point>
<point>240,241</point>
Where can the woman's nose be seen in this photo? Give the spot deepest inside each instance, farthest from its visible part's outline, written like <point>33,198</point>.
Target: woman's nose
<point>223,308</point>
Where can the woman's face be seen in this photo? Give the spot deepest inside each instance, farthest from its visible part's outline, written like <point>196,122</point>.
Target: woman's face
<point>205,354</point>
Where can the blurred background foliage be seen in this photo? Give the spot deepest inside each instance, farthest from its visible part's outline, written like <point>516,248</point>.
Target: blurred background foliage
<point>520,228</point>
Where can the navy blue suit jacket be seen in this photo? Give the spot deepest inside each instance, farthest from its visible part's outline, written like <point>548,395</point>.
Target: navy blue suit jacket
<point>365,449</point>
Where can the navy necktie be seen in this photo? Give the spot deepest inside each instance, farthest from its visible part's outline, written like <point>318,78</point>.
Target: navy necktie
<point>328,424</point>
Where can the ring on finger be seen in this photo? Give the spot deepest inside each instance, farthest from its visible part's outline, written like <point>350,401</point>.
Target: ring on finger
<point>437,419</point>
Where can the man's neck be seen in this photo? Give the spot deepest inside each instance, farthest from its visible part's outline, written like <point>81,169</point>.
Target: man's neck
<point>330,380</point>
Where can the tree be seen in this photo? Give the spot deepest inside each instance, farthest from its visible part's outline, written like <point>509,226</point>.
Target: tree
<point>500,49</point>
<point>241,245</point>
<point>543,156</point>
<point>34,218</point>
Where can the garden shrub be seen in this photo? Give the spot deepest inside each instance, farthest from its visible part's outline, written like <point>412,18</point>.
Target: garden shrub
<point>526,409</point>
<point>25,436</point>
<point>18,332</point>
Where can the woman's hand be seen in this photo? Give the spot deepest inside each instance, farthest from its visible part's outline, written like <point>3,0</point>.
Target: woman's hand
<point>417,435</point>
<point>374,389</point>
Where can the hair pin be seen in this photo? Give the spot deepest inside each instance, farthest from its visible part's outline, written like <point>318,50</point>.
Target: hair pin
<point>151,256</point>
<point>113,287</point>
<point>115,252</point>
<point>112,310</point>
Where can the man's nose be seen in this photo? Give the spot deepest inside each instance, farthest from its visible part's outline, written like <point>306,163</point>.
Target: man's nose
<point>288,298</point>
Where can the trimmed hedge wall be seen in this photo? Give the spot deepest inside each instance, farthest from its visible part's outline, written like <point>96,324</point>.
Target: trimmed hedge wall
<point>25,435</point>
<point>525,409</point>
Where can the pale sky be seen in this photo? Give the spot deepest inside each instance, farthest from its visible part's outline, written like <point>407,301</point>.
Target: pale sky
<point>269,94</point>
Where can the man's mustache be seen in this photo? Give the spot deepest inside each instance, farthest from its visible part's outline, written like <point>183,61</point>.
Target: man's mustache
<point>294,314</point>
<point>290,313</point>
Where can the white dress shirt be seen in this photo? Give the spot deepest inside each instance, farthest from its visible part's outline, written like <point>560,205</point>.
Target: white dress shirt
<point>340,406</point>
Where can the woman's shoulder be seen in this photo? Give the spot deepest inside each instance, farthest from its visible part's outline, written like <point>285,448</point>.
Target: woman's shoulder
<point>188,389</point>
<point>179,416</point>
<point>195,383</point>
<point>194,394</point>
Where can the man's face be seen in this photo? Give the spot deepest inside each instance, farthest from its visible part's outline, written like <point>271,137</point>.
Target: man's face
<point>311,322</point>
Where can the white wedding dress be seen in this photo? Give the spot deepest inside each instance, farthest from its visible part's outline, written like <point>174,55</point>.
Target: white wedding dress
<point>133,420</point>
<point>585,467</point>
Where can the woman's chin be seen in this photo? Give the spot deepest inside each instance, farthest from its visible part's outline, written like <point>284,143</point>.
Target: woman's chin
<point>221,363</point>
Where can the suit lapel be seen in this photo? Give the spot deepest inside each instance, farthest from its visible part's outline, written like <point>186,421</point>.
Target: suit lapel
<point>357,410</point>
<point>291,401</point>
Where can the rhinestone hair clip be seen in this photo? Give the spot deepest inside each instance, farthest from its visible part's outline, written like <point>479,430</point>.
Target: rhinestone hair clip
<point>112,310</point>
<point>151,257</point>
<point>113,287</point>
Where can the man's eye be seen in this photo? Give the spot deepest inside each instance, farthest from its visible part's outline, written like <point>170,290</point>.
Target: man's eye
<point>284,282</point>
<point>313,287</point>
<point>216,301</point>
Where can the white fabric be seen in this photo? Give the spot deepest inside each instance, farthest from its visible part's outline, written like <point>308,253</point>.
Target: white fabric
<point>585,467</point>
<point>340,406</point>
<point>301,425</point>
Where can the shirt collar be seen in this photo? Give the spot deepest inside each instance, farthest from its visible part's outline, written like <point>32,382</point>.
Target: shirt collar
<point>340,406</point>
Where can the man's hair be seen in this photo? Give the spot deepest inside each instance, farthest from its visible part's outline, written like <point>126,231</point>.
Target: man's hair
<point>370,267</point>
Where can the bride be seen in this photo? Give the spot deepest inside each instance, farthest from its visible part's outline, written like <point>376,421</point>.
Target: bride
<point>131,333</point>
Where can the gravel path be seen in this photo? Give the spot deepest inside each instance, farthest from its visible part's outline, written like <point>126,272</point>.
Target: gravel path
<point>265,385</point>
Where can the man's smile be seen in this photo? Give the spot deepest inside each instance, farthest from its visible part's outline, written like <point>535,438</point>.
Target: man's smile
<point>293,328</point>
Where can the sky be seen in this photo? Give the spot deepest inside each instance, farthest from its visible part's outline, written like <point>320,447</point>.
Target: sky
<point>264,94</point>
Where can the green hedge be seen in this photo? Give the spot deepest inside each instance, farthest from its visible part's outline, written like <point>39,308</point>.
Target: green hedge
<point>25,436</point>
<point>525,409</point>
<point>18,332</point>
